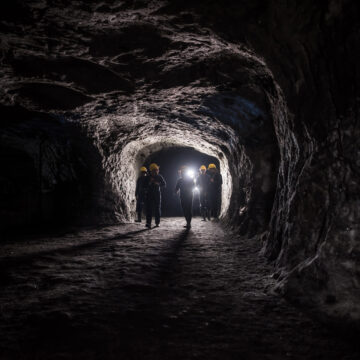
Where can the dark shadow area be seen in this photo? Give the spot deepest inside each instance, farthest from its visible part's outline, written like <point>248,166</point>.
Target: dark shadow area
<point>170,254</point>
<point>23,259</point>
<point>51,176</point>
<point>170,160</point>
<point>166,295</point>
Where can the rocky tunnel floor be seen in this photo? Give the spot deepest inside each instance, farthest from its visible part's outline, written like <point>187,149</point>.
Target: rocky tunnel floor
<point>123,292</point>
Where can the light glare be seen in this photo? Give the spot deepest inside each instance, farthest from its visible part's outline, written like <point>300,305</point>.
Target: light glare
<point>190,173</point>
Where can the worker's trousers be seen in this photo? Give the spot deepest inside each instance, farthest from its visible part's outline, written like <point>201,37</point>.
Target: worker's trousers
<point>203,205</point>
<point>153,206</point>
<point>139,206</point>
<point>215,204</point>
<point>186,204</point>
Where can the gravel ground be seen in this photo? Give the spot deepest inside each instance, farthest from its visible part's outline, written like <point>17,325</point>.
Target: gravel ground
<point>124,292</point>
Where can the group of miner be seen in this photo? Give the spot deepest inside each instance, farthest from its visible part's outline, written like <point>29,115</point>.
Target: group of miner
<point>208,183</point>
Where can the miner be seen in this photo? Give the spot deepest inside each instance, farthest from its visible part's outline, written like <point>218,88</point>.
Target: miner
<point>214,190</point>
<point>140,192</point>
<point>185,186</point>
<point>153,184</point>
<point>202,183</point>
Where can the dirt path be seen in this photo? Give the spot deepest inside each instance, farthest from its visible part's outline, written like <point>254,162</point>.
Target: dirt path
<point>123,292</point>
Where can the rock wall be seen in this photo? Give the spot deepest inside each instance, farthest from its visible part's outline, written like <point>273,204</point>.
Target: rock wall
<point>51,173</point>
<point>314,234</point>
<point>312,49</point>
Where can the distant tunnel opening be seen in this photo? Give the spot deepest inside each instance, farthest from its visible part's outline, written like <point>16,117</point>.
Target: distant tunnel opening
<point>170,160</point>
<point>171,154</point>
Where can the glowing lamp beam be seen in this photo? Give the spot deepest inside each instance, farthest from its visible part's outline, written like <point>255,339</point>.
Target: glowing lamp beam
<point>190,173</point>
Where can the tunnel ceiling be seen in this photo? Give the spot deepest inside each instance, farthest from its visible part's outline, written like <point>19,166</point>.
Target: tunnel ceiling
<point>122,65</point>
<point>272,90</point>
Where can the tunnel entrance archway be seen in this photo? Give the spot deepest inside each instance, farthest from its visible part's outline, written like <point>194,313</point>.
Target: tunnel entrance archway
<point>170,160</point>
<point>136,153</point>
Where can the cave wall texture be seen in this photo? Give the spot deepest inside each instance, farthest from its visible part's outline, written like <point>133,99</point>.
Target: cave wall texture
<point>268,87</point>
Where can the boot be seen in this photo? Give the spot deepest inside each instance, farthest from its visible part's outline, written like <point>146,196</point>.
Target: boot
<point>204,215</point>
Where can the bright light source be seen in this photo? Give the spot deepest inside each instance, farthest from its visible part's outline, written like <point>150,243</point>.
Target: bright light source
<point>196,189</point>
<point>190,173</point>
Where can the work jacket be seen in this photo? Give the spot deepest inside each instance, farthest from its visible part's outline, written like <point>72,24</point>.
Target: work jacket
<point>215,182</point>
<point>203,182</point>
<point>186,187</point>
<point>153,185</point>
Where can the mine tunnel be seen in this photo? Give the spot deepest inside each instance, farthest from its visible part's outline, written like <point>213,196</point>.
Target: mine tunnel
<point>170,161</point>
<point>92,91</point>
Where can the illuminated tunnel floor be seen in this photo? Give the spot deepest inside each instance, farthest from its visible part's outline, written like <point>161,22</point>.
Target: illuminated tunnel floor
<point>122,292</point>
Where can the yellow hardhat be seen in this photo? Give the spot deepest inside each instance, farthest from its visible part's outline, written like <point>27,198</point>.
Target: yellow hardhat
<point>202,167</point>
<point>154,166</point>
<point>212,166</point>
<point>143,169</point>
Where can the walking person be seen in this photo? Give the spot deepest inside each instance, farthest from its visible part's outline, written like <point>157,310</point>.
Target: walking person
<point>185,186</point>
<point>214,192</point>
<point>140,192</point>
<point>153,184</point>
<point>202,183</point>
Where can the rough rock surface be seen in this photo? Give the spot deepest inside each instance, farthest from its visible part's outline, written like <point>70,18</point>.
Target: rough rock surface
<point>270,89</point>
<point>140,79</point>
<point>125,292</point>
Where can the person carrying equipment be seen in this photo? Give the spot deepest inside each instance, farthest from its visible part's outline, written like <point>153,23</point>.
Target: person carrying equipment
<point>185,185</point>
<point>153,184</point>
<point>140,192</point>
<point>214,193</point>
<point>202,182</point>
